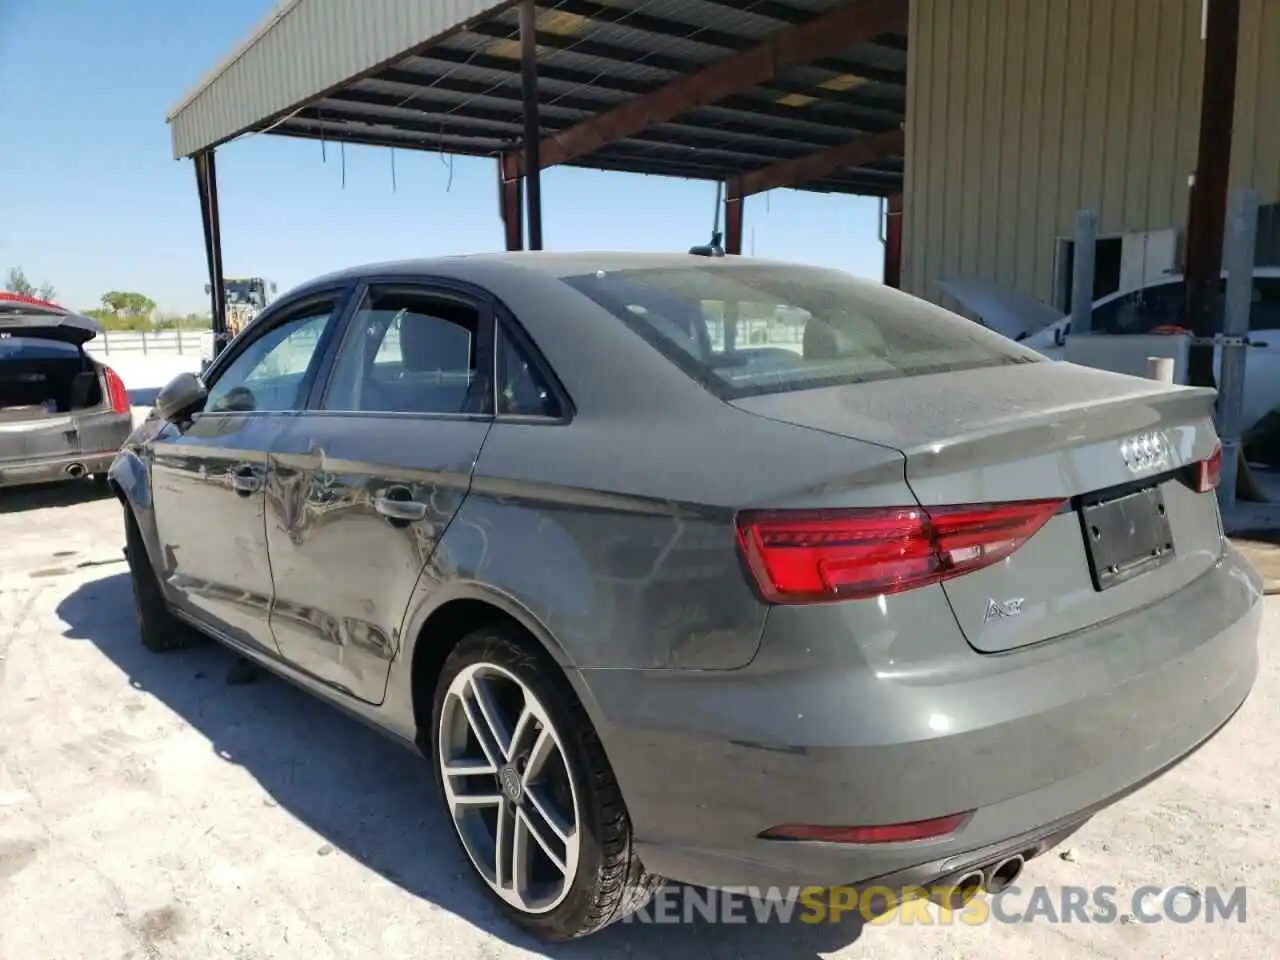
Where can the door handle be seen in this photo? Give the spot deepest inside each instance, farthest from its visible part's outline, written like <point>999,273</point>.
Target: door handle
<point>397,505</point>
<point>245,480</point>
<point>1250,342</point>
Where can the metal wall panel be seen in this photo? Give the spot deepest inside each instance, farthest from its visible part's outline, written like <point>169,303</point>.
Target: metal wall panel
<point>1020,112</point>
<point>302,50</point>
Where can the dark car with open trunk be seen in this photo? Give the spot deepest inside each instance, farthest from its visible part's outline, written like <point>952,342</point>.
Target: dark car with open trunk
<point>63,414</point>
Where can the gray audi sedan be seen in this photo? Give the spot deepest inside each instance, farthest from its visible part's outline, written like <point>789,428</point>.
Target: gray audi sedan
<point>713,569</point>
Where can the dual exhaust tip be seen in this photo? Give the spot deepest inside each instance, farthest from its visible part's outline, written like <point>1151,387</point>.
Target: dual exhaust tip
<point>958,890</point>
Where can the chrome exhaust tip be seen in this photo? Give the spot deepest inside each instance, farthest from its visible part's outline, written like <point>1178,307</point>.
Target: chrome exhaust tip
<point>953,894</point>
<point>1005,874</point>
<point>75,470</point>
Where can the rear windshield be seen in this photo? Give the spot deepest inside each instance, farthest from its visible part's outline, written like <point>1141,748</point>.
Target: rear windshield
<point>753,329</point>
<point>34,348</point>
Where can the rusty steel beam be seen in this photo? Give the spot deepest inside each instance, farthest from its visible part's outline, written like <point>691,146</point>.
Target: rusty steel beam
<point>207,187</point>
<point>815,166</point>
<point>790,47</point>
<point>893,243</point>
<point>510,194</point>
<point>733,226</point>
<point>1207,213</point>
<point>531,162</point>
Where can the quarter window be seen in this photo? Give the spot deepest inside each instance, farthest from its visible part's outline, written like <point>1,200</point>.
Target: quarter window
<point>522,389</point>
<point>410,353</point>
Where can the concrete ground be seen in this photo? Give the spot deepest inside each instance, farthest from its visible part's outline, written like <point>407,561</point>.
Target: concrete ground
<point>149,810</point>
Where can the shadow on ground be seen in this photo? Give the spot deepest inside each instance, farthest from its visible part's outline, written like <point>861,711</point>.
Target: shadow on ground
<point>365,795</point>
<point>64,493</point>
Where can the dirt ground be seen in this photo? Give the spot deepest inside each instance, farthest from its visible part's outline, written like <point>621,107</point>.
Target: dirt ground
<point>149,810</point>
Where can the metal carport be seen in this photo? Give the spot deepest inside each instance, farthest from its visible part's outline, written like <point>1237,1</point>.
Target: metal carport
<point>759,94</point>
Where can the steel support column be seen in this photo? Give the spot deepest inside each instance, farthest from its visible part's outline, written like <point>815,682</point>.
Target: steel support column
<point>1207,214</point>
<point>207,187</point>
<point>1084,259</point>
<point>510,197</point>
<point>733,201</point>
<point>893,243</point>
<point>1242,240</point>
<point>532,134</point>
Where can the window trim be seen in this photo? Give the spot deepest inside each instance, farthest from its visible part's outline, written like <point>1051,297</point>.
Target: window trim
<point>430,287</point>
<point>277,315</point>
<point>514,331</point>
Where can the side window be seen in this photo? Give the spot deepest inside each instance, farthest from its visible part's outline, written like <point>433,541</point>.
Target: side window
<point>271,373</point>
<point>410,353</point>
<point>1264,312</point>
<point>522,390</point>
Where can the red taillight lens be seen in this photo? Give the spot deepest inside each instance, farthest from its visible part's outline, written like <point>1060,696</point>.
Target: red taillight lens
<point>807,556</point>
<point>116,392</point>
<point>884,833</point>
<point>1210,471</point>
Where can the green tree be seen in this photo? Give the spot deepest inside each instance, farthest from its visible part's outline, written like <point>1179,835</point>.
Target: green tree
<point>17,282</point>
<point>129,304</point>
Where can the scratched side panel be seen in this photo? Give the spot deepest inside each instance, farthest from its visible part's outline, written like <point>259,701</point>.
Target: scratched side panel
<point>615,537</point>
<point>344,573</point>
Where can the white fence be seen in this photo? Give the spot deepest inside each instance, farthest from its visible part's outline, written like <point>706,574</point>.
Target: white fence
<point>144,343</point>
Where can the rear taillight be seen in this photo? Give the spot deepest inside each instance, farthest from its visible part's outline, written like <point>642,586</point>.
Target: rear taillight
<point>810,556</point>
<point>116,392</point>
<point>1209,472</point>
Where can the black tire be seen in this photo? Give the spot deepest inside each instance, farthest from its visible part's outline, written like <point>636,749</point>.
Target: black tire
<point>610,881</point>
<point>159,630</point>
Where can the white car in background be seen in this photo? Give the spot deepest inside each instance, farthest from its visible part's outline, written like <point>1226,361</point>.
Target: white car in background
<point>1157,308</point>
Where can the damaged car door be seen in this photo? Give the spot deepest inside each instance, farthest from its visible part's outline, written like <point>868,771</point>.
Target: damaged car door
<point>209,474</point>
<point>366,479</point>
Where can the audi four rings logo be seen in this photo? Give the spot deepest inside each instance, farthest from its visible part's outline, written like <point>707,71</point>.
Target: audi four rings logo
<point>1146,451</point>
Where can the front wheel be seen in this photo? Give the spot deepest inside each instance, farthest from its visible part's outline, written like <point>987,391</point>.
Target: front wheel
<point>530,793</point>
<point>159,630</point>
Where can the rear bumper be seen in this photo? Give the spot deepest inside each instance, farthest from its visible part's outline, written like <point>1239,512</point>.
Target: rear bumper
<point>54,468</point>
<point>1033,741</point>
<point>89,443</point>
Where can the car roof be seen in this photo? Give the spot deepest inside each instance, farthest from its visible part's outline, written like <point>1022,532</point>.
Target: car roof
<point>552,264</point>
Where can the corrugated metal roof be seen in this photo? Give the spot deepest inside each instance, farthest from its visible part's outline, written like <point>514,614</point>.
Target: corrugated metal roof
<point>301,49</point>
<point>375,73</point>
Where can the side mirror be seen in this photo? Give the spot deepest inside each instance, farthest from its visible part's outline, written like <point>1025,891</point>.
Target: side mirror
<point>181,396</point>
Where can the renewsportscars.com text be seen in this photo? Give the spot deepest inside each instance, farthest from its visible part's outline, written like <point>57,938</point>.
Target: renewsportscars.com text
<point>883,906</point>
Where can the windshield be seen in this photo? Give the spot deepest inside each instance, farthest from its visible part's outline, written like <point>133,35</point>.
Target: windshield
<point>244,292</point>
<point>752,329</point>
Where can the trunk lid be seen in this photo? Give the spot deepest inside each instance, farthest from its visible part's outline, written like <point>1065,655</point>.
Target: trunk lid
<point>27,317</point>
<point>1038,431</point>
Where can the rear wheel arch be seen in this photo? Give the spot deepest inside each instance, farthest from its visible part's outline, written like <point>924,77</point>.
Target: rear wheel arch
<point>450,622</point>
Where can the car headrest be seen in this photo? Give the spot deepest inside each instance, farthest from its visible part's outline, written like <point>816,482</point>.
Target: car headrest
<point>825,341</point>
<point>434,343</point>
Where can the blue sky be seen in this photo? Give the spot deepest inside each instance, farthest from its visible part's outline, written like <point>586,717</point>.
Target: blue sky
<point>92,200</point>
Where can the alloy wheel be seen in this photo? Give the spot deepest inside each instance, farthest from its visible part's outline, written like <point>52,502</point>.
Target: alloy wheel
<point>508,787</point>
